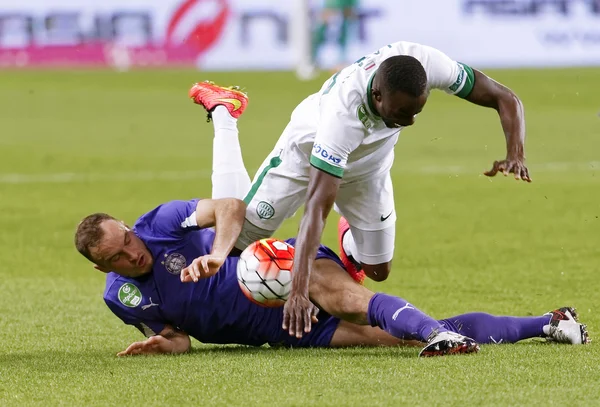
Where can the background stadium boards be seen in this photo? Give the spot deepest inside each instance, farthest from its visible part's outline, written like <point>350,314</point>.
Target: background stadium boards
<point>72,143</point>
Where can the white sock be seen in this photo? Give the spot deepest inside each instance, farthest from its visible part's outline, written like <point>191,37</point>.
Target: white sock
<point>229,176</point>
<point>348,244</point>
<point>546,330</point>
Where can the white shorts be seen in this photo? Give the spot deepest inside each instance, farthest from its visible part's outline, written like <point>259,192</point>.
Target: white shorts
<point>279,189</point>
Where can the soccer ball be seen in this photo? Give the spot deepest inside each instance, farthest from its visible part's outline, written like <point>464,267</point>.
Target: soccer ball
<point>264,272</point>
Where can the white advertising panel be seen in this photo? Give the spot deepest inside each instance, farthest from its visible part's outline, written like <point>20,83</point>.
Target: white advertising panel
<point>255,34</point>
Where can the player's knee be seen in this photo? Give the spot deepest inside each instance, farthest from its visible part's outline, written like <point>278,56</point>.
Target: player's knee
<point>378,272</point>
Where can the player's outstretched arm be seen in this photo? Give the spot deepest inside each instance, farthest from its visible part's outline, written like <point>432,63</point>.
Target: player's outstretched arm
<point>298,310</point>
<point>489,93</point>
<point>168,341</point>
<point>227,216</point>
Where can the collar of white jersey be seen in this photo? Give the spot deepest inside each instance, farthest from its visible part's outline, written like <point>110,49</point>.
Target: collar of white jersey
<point>370,104</point>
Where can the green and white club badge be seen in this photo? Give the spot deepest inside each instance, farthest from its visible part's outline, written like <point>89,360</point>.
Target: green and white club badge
<point>264,210</point>
<point>130,295</point>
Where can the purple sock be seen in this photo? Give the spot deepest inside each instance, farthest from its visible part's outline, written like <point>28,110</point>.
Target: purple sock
<point>401,319</point>
<point>486,328</point>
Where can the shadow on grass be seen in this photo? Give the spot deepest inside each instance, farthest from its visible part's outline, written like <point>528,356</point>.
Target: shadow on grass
<point>91,359</point>
<point>358,351</point>
<point>83,360</point>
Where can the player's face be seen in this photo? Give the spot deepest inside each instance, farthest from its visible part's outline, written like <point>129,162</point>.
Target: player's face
<point>121,251</point>
<point>398,108</point>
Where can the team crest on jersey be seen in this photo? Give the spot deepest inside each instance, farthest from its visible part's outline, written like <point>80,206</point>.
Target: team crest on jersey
<point>364,118</point>
<point>130,295</point>
<point>264,210</point>
<point>174,263</point>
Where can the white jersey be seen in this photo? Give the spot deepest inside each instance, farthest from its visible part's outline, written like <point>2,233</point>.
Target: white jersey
<point>337,129</point>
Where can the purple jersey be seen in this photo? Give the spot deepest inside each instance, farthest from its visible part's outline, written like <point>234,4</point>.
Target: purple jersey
<point>213,310</point>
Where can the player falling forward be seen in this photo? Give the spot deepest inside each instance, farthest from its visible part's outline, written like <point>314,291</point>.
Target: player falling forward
<point>170,277</point>
<point>338,148</point>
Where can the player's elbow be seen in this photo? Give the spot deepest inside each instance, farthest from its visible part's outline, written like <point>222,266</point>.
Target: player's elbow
<point>508,101</point>
<point>239,207</point>
<point>236,204</point>
<point>234,208</point>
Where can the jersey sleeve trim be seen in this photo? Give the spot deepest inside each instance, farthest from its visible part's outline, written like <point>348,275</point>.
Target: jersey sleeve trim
<point>326,167</point>
<point>465,81</point>
<point>370,97</point>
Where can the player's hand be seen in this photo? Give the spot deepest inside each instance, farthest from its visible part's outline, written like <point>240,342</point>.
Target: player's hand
<point>514,166</point>
<point>154,345</point>
<point>299,314</point>
<point>202,267</point>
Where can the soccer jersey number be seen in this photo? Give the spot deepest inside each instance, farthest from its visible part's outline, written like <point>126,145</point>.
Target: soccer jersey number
<point>361,61</point>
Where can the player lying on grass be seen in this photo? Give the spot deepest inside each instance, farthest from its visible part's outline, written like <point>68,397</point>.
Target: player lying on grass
<point>175,242</point>
<point>338,148</point>
<point>171,277</point>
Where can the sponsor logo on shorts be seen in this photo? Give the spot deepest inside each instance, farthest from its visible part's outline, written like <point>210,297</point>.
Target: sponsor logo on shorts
<point>461,74</point>
<point>174,263</point>
<point>264,210</point>
<point>384,218</point>
<point>130,295</point>
<point>323,154</point>
<point>364,118</point>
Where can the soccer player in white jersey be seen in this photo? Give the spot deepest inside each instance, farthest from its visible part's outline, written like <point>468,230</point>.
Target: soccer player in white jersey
<point>338,148</point>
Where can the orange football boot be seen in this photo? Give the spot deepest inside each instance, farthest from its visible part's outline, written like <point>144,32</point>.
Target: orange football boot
<point>353,268</point>
<point>209,95</point>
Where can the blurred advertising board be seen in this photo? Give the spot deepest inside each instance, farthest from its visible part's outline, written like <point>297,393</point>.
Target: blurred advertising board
<point>255,34</point>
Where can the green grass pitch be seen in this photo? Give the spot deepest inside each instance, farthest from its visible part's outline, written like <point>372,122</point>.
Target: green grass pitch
<point>72,143</point>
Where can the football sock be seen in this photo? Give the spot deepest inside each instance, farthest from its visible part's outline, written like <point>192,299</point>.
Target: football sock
<point>229,176</point>
<point>486,328</point>
<point>401,319</point>
<point>348,244</point>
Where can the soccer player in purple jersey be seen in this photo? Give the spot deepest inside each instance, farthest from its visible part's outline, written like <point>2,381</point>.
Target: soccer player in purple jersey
<point>172,276</point>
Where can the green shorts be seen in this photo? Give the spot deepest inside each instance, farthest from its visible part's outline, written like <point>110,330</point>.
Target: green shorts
<point>340,4</point>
